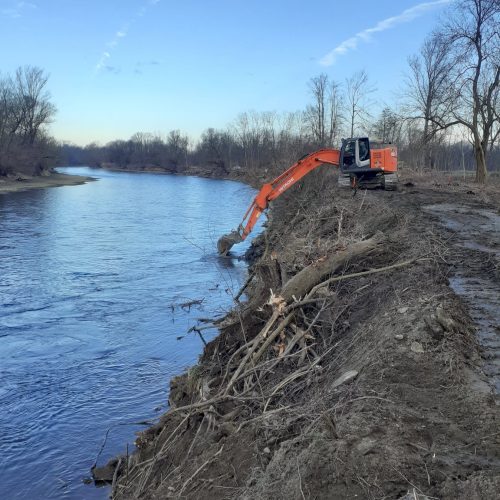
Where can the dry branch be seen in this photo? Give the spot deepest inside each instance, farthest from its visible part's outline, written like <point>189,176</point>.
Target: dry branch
<point>115,476</point>
<point>364,273</point>
<point>198,470</point>
<point>311,275</point>
<point>263,333</point>
<point>243,288</point>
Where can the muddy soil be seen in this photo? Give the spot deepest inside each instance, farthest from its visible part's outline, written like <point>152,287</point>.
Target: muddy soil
<point>374,385</point>
<point>475,234</point>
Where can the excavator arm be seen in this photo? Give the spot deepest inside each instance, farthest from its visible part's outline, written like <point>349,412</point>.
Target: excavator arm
<point>272,190</point>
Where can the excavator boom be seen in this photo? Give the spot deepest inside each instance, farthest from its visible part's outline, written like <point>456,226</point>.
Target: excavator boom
<point>362,165</point>
<point>272,190</point>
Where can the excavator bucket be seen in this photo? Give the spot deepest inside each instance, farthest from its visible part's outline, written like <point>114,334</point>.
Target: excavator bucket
<point>227,241</point>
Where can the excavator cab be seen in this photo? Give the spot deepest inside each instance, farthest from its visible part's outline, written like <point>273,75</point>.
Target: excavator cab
<point>367,165</point>
<point>355,154</point>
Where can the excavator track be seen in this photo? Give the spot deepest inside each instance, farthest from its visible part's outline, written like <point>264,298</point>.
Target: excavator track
<point>344,180</point>
<point>390,182</point>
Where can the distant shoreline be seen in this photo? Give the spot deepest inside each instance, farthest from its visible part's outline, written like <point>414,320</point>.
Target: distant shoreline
<point>23,183</point>
<point>9,185</point>
<point>252,180</point>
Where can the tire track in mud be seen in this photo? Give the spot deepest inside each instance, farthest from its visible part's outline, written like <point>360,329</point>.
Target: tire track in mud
<point>476,278</point>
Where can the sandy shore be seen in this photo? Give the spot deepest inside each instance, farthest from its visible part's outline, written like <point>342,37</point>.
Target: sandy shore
<point>53,180</point>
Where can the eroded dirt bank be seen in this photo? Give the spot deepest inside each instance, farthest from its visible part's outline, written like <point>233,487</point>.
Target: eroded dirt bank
<point>334,381</point>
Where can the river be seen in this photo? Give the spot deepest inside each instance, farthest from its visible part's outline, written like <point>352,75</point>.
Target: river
<point>92,279</point>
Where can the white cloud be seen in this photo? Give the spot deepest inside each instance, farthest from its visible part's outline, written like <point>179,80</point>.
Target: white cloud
<point>366,35</point>
<point>17,9</point>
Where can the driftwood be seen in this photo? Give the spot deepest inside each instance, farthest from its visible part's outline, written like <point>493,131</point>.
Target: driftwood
<point>307,278</point>
<point>187,305</point>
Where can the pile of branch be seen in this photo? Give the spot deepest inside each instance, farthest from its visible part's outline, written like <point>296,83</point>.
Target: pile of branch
<point>251,376</point>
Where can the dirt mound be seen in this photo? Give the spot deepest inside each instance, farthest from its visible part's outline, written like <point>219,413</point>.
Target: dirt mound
<point>362,380</point>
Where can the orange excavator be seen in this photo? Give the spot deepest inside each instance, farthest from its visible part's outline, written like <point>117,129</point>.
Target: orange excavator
<point>362,164</point>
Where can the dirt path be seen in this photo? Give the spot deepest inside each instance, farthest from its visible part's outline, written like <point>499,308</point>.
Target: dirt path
<point>475,234</point>
<point>470,222</point>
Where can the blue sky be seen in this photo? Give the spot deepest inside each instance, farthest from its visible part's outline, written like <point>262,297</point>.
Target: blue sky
<point>122,66</point>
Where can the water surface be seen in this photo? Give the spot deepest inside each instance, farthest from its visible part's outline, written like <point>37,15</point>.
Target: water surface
<point>91,282</point>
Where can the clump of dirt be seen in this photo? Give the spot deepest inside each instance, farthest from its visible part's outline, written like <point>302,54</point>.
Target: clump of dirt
<point>368,384</point>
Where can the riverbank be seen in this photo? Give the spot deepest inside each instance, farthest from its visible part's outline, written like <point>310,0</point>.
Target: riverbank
<point>252,178</point>
<point>17,183</point>
<point>352,370</point>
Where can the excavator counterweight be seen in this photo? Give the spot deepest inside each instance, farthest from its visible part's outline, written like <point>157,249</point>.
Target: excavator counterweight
<point>360,166</point>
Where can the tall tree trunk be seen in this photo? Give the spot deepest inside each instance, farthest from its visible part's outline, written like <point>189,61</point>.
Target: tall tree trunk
<point>481,171</point>
<point>353,115</point>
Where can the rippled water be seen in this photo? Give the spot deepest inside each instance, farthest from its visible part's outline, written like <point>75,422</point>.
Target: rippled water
<point>91,278</point>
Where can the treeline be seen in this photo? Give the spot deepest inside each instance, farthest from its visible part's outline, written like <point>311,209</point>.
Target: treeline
<point>266,143</point>
<point>446,118</point>
<point>25,111</point>
<point>255,141</point>
<point>453,84</point>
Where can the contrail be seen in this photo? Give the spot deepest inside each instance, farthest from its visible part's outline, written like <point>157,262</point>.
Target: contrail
<point>120,34</point>
<point>366,35</point>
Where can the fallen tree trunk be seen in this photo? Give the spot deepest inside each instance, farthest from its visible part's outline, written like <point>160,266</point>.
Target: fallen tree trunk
<point>304,280</point>
<point>300,284</point>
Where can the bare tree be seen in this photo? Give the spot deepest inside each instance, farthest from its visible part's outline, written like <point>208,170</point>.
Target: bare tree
<point>34,106</point>
<point>11,113</point>
<point>242,133</point>
<point>324,115</point>
<point>428,91</point>
<point>215,149</point>
<point>315,112</point>
<point>25,110</point>
<point>5,110</point>
<point>388,127</point>
<point>335,112</point>
<point>358,91</point>
<point>474,42</point>
<point>177,149</point>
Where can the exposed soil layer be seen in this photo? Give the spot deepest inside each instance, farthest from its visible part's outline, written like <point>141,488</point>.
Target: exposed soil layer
<point>372,385</point>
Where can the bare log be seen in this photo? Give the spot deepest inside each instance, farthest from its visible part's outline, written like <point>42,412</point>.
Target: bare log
<point>313,274</point>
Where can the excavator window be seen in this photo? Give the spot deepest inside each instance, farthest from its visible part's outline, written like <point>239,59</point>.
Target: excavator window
<point>364,150</point>
<point>355,153</point>
<point>349,157</point>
